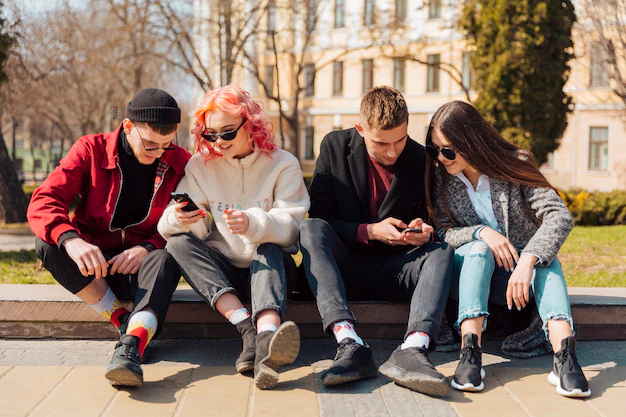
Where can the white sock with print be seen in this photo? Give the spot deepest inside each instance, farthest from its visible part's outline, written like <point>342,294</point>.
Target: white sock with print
<point>345,328</point>
<point>416,339</point>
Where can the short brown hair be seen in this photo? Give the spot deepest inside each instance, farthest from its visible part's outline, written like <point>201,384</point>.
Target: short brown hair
<point>384,108</point>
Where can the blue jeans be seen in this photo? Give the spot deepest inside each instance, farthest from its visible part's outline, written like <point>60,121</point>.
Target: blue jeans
<point>476,280</point>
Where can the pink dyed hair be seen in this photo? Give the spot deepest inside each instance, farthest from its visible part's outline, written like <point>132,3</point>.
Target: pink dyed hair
<point>234,101</point>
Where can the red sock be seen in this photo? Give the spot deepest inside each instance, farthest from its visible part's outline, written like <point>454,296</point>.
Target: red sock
<point>142,334</point>
<point>116,315</point>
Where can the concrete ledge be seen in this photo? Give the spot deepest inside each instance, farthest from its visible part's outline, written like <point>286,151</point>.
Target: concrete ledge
<point>40,311</point>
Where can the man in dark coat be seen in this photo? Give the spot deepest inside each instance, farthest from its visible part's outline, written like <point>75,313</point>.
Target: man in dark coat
<point>367,238</point>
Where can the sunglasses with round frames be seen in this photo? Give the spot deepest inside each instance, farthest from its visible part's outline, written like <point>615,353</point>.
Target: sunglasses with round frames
<point>169,146</point>
<point>229,135</point>
<point>446,151</point>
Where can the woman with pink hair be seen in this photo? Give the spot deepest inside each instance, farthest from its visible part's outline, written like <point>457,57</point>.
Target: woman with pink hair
<point>257,199</point>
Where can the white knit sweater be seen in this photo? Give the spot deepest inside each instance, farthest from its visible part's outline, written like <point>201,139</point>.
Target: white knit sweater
<point>270,189</point>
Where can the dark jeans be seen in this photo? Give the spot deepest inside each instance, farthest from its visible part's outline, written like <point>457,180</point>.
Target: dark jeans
<point>152,286</point>
<point>337,274</point>
<point>266,283</point>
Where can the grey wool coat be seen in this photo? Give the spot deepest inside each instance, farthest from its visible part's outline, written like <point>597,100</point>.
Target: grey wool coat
<point>535,220</point>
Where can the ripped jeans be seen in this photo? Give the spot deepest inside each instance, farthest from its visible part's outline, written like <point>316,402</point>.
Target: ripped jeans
<point>476,280</point>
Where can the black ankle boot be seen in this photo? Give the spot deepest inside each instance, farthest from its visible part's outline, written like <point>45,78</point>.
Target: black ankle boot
<point>245,361</point>
<point>273,350</point>
<point>469,373</point>
<point>567,376</point>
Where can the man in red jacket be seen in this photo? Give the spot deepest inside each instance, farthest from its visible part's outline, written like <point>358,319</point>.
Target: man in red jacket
<point>110,250</point>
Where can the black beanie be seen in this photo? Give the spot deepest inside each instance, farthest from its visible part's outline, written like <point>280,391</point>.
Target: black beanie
<point>153,106</point>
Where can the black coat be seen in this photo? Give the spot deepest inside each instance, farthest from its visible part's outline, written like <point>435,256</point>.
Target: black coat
<point>340,191</point>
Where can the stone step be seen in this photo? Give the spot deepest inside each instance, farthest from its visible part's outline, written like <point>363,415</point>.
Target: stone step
<point>49,311</point>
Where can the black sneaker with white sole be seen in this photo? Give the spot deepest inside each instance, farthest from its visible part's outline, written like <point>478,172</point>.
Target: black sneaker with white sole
<point>469,373</point>
<point>273,350</point>
<point>124,368</point>
<point>352,362</point>
<point>412,369</point>
<point>566,375</point>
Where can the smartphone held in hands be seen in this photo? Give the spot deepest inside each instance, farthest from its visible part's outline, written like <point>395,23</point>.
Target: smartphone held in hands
<point>183,197</point>
<point>412,230</point>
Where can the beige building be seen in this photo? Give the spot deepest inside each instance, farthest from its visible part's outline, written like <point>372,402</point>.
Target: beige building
<point>350,48</point>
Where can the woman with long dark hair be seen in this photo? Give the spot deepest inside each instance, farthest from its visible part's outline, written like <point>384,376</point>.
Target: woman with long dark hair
<point>507,224</point>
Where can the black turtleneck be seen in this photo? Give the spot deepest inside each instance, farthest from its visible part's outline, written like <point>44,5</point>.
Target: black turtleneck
<point>137,186</point>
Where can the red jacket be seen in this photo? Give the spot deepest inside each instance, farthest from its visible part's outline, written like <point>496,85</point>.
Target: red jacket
<point>91,171</point>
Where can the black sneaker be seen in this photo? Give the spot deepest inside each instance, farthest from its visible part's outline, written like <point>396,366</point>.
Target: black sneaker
<point>124,368</point>
<point>273,350</point>
<point>352,362</point>
<point>245,361</point>
<point>412,369</point>
<point>567,376</point>
<point>469,373</point>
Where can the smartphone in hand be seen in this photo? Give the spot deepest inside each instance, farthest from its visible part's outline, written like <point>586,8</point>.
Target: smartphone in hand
<point>182,197</point>
<point>412,230</point>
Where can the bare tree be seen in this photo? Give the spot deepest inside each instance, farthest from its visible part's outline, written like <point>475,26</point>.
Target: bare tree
<point>13,202</point>
<point>607,27</point>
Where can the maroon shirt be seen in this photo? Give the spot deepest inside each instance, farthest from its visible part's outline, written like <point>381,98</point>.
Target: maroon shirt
<point>379,178</point>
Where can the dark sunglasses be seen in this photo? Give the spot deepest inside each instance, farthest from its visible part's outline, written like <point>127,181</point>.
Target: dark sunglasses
<point>213,137</point>
<point>446,151</point>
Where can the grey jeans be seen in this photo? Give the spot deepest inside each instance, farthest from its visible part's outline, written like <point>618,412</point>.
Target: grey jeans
<point>337,273</point>
<point>266,283</point>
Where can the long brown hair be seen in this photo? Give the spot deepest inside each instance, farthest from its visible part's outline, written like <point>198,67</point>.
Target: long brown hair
<point>482,147</point>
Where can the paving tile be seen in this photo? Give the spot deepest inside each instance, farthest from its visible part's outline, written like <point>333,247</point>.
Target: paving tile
<point>368,400</point>
<point>29,384</point>
<point>608,391</point>
<point>159,395</point>
<point>530,386</point>
<point>84,393</point>
<point>334,401</point>
<point>400,401</point>
<point>216,391</point>
<point>298,385</point>
<point>491,401</point>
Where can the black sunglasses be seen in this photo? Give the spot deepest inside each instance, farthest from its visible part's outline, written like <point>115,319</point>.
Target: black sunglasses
<point>213,137</point>
<point>446,151</point>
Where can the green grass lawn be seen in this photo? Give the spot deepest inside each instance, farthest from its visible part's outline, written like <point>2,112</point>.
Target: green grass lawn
<point>591,257</point>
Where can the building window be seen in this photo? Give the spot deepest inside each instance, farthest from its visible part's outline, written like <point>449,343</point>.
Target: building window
<point>269,79</point>
<point>433,72</point>
<point>434,9</point>
<point>19,144</point>
<point>399,74</point>
<point>311,19</point>
<point>309,140</point>
<point>337,78</point>
<point>37,163</point>
<point>340,13</point>
<point>309,80</point>
<point>368,74</point>
<point>401,11</point>
<point>599,149</point>
<point>467,73</point>
<point>599,70</point>
<point>18,163</point>
<point>369,10</point>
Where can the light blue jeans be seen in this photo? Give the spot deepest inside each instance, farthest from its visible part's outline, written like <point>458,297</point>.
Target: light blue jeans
<point>476,280</point>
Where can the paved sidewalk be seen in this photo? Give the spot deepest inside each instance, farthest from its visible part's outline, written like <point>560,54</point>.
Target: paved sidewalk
<point>197,378</point>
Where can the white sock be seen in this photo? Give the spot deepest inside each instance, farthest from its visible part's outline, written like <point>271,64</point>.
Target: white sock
<point>343,329</point>
<point>239,316</point>
<point>106,303</point>
<point>142,324</point>
<point>416,339</point>
<point>267,327</point>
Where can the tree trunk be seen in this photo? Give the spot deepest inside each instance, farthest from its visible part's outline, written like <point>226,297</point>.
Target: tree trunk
<point>13,203</point>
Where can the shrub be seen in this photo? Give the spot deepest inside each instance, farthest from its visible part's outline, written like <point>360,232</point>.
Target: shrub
<point>596,208</point>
